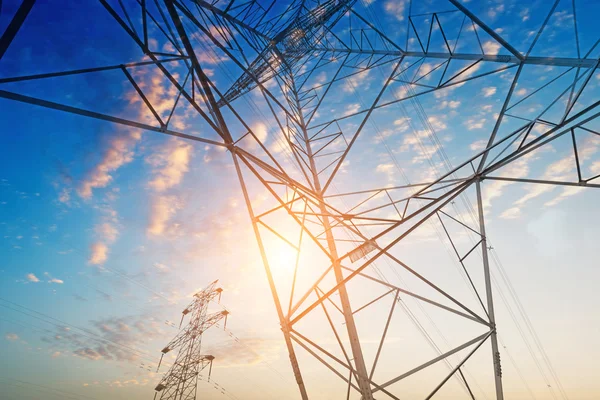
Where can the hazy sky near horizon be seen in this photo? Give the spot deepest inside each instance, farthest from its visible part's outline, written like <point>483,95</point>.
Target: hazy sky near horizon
<point>106,232</point>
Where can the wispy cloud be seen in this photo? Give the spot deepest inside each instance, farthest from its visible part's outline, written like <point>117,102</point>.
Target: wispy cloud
<point>356,81</point>
<point>452,104</point>
<point>106,233</point>
<point>511,213</point>
<point>475,123</point>
<point>169,165</point>
<point>118,335</point>
<point>387,169</point>
<point>491,48</point>
<point>65,196</point>
<point>395,8</point>
<point>162,210</point>
<point>98,254</point>
<point>118,153</point>
<point>518,169</point>
<point>560,170</point>
<point>351,109</point>
<point>120,148</point>
<point>52,279</point>
<point>488,91</point>
<point>478,145</point>
<point>11,337</point>
<point>564,193</point>
<point>32,278</point>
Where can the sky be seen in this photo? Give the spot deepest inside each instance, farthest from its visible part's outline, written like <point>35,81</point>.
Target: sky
<point>107,231</point>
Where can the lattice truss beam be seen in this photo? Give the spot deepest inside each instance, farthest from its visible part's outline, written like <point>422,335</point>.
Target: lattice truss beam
<point>288,64</point>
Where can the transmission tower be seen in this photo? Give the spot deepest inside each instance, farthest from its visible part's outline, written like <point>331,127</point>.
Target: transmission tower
<point>294,65</point>
<point>181,381</point>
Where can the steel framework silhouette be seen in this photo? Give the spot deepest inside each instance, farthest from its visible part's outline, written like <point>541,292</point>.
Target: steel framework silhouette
<point>294,59</point>
<point>181,381</point>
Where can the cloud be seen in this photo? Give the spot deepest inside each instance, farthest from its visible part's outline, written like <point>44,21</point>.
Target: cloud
<point>214,154</point>
<point>517,169</point>
<point>565,192</point>
<point>89,353</point>
<point>55,280</point>
<point>436,123</point>
<point>260,131</point>
<point>453,104</point>
<point>420,150</point>
<point>170,164</point>
<point>491,48</point>
<point>425,69</point>
<point>352,109</point>
<point>511,213</point>
<point>118,153</point>
<point>134,382</point>
<point>401,125</point>
<point>475,124</point>
<point>32,278</point>
<point>395,8</point>
<point>560,170</point>
<point>356,81</point>
<point>463,76</point>
<point>521,92</point>
<point>478,145</point>
<point>107,231</point>
<point>163,208</point>
<point>488,91</point>
<point>319,80</point>
<point>11,337</point>
<point>65,196</point>
<point>111,338</point>
<point>533,192</point>
<point>99,253</point>
<point>120,148</point>
<point>387,169</point>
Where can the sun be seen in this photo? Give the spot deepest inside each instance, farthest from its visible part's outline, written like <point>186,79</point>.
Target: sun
<point>281,256</point>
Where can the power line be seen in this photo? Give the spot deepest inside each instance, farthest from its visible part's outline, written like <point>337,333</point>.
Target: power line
<point>448,166</point>
<point>51,390</point>
<point>62,324</point>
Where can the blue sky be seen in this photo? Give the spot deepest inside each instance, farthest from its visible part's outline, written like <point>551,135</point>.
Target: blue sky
<point>106,231</point>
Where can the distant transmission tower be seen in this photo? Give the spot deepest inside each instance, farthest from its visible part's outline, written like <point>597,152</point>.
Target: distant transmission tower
<point>181,381</point>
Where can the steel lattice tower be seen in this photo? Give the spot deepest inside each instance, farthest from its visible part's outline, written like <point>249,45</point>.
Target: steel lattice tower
<point>278,53</point>
<point>181,381</point>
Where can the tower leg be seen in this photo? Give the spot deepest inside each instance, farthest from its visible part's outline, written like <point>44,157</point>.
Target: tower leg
<point>490,300</point>
<point>359,361</point>
<point>282,319</point>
